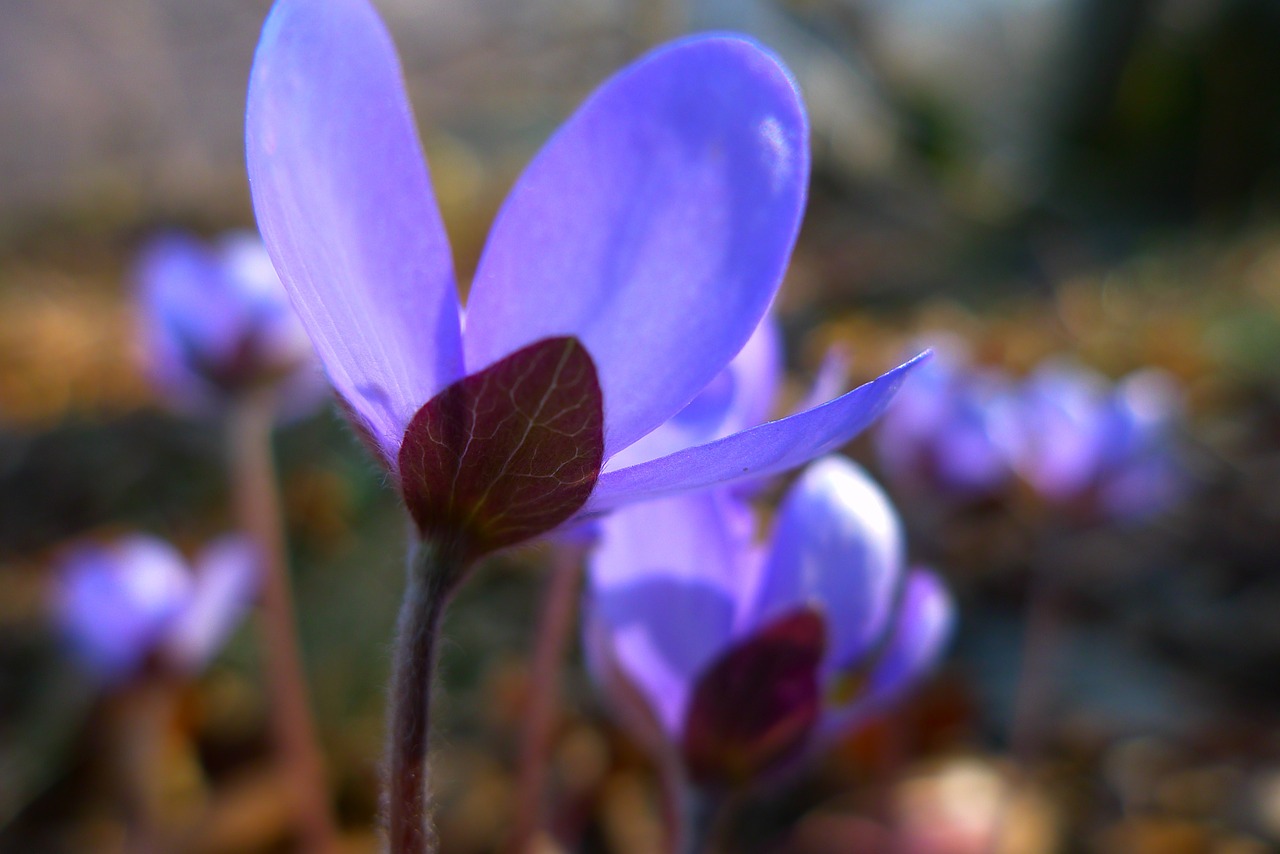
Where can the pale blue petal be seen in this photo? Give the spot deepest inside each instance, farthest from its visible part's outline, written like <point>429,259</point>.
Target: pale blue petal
<point>667,582</point>
<point>922,628</point>
<point>655,226</point>
<point>739,397</point>
<point>345,205</point>
<point>764,450</point>
<point>227,575</point>
<point>837,547</point>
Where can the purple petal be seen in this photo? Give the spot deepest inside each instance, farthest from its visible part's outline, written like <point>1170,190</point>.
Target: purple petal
<point>832,378</point>
<point>667,582</point>
<point>665,685</point>
<point>626,700</point>
<point>756,373</point>
<point>344,202</point>
<point>227,579</point>
<point>655,226</point>
<point>115,601</point>
<point>922,628</point>
<point>739,397</point>
<point>265,302</point>
<point>837,547</point>
<point>183,319</point>
<point>925,619</point>
<point>761,451</point>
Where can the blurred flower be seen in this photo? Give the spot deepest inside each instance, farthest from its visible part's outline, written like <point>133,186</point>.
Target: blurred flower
<point>135,600</point>
<point>950,427</point>
<point>217,325</point>
<point>1106,449</point>
<point>738,657</point>
<point>631,261</point>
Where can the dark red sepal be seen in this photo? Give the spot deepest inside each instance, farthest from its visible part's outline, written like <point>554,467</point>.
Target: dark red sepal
<point>506,453</point>
<point>754,708</point>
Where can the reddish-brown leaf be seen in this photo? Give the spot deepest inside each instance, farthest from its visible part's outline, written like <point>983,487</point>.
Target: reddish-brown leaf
<point>507,453</point>
<point>754,708</point>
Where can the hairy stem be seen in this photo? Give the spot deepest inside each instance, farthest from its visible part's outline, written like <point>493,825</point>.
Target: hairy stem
<point>433,570</point>
<point>257,504</point>
<point>555,627</point>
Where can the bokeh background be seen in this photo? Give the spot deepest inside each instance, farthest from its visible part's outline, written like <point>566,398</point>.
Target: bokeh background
<point>1097,178</point>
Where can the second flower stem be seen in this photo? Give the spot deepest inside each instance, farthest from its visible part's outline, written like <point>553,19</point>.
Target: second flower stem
<point>257,503</point>
<point>555,628</point>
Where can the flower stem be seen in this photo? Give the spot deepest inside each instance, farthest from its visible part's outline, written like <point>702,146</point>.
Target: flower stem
<point>433,570</point>
<point>257,504</point>
<point>141,736</point>
<point>700,812</point>
<point>671,788</point>
<point>555,625</point>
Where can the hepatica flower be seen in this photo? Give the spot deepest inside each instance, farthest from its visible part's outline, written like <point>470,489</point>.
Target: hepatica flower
<point>951,427</point>
<point>630,263</point>
<point>737,656</point>
<point>137,601</point>
<point>1106,449</point>
<point>217,325</point>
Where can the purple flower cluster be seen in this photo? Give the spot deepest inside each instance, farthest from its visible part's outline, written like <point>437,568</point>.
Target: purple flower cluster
<point>1104,448</point>
<point>217,325</point>
<point>738,656</point>
<point>136,601</point>
<point>950,428</point>
<point>1083,443</point>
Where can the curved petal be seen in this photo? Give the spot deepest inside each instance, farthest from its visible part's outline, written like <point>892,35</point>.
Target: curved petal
<point>344,202</point>
<point>758,452</point>
<point>926,616</point>
<point>628,699</point>
<point>666,583</point>
<point>739,397</point>
<point>227,577</point>
<point>831,380</point>
<point>655,226</point>
<point>837,547</point>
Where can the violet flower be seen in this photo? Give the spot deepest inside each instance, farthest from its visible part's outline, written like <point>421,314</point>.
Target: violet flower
<point>217,325</point>
<point>631,261</point>
<point>735,658</point>
<point>950,428</point>
<point>136,601</point>
<point>1104,449</point>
